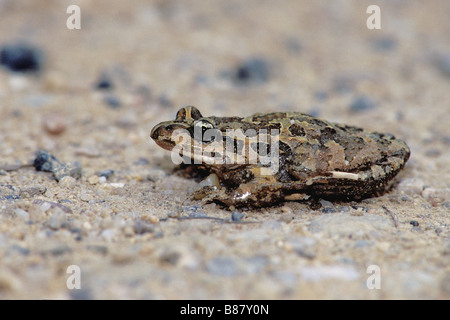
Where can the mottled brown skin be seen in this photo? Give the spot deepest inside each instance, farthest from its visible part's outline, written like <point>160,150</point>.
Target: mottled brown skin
<point>316,159</point>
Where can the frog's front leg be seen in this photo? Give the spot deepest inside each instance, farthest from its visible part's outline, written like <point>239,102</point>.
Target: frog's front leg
<point>251,194</point>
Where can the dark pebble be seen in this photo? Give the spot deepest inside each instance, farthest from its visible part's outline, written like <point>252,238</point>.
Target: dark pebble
<point>237,216</point>
<point>443,65</point>
<point>20,58</point>
<point>164,100</point>
<point>384,43</point>
<point>414,223</point>
<point>104,83</point>
<point>362,103</point>
<point>112,101</point>
<point>251,71</point>
<point>106,173</point>
<point>45,161</point>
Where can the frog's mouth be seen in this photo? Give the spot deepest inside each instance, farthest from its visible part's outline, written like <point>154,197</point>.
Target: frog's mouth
<point>163,132</point>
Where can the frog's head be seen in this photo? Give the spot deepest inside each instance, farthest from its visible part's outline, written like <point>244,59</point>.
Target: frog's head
<point>187,119</point>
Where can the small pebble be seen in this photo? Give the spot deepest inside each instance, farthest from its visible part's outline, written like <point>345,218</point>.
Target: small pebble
<point>106,173</point>
<point>7,189</point>
<point>150,218</point>
<point>72,169</point>
<point>327,206</point>
<point>142,161</point>
<point>45,161</point>
<point>141,227</point>
<point>46,205</point>
<point>22,250</point>
<point>57,251</point>
<point>155,175</point>
<point>112,101</point>
<point>20,58</point>
<point>108,234</point>
<point>93,179</point>
<point>286,209</point>
<point>22,214</point>
<point>164,100</point>
<point>98,249</point>
<point>384,43</point>
<point>54,123</point>
<point>362,243</point>
<point>104,82</point>
<point>414,223</point>
<point>57,220</point>
<point>362,103</point>
<point>67,182</point>
<point>170,256</point>
<point>85,196</point>
<point>251,71</point>
<point>442,63</point>
<point>197,214</point>
<point>128,231</point>
<point>237,216</point>
<point>32,191</point>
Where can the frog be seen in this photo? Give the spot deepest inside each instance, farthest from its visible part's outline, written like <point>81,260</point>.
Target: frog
<point>314,158</point>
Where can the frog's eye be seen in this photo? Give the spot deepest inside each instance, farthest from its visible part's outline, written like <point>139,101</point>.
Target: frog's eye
<point>203,131</point>
<point>188,113</point>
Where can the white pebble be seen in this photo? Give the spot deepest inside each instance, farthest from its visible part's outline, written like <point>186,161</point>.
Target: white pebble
<point>22,214</point>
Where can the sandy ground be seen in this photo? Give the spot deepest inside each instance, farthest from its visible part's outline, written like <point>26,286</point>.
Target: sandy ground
<point>134,233</point>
